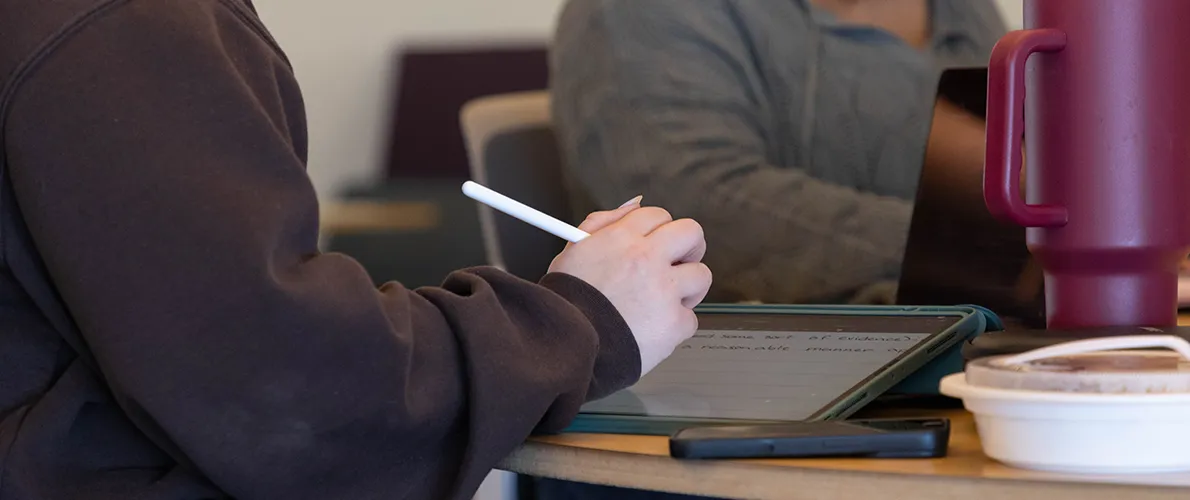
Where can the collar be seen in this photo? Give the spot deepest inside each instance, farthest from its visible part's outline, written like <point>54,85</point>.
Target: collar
<point>951,20</point>
<point>948,19</point>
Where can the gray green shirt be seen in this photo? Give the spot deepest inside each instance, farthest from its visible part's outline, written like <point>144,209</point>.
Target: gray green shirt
<point>795,139</point>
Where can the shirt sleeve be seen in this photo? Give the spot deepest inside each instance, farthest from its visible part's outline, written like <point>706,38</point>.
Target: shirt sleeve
<point>663,98</point>
<point>157,154</point>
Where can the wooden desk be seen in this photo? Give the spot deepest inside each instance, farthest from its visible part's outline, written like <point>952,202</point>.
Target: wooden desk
<point>643,462</point>
<point>368,216</point>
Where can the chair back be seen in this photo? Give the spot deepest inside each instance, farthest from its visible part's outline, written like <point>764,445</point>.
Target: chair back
<point>512,149</point>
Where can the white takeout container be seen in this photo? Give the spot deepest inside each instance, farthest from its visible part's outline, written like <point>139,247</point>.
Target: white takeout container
<point>1086,406</point>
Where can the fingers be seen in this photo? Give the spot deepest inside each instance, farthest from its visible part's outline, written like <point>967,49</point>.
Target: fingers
<point>645,220</point>
<point>599,220</point>
<point>681,241</point>
<point>693,281</point>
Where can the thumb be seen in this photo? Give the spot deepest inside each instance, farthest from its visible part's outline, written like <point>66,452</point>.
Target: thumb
<point>600,220</point>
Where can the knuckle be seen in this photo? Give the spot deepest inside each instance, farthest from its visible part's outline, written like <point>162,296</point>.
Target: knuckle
<point>704,273</point>
<point>690,226</point>
<point>593,219</point>
<point>657,213</point>
<point>619,232</point>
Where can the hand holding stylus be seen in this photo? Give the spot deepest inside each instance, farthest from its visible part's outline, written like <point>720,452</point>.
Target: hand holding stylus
<point>648,265</point>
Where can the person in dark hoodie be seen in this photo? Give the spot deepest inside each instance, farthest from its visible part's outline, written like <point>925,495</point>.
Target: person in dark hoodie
<point>168,329</point>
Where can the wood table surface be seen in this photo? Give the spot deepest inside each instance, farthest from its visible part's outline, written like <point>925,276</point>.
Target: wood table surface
<point>378,216</point>
<point>643,462</point>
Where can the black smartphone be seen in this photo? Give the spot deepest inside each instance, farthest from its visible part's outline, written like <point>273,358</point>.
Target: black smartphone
<point>878,438</point>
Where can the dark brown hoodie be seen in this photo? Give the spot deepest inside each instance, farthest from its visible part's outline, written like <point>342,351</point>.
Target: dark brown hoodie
<point>168,329</point>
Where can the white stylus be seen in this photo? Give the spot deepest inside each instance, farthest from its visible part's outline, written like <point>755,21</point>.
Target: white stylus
<point>523,212</point>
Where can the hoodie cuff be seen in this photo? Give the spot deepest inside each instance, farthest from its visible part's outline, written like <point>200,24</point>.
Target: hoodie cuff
<point>617,362</point>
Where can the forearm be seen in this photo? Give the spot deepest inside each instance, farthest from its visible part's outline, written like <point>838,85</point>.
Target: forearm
<point>782,237</point>
<point>774,233</point>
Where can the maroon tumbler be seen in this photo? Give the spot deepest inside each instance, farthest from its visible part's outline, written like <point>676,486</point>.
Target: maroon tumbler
<point>1106,122</point>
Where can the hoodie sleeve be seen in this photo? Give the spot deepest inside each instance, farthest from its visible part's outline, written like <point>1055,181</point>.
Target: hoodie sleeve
<point>157,152</point>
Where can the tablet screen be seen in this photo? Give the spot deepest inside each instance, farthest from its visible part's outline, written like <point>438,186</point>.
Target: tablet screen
<point>770,367</point>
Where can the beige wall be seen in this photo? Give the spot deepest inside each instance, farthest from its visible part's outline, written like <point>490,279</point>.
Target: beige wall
<point>1012,12</point>
<point>343,52</point>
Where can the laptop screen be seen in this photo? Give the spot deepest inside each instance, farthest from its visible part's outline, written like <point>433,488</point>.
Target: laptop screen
<point>961,254</point>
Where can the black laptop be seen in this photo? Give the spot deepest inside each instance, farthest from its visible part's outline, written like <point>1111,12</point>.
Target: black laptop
<point>963,255</point>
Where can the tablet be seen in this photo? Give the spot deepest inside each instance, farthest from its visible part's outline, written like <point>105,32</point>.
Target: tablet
<point>781,363</point>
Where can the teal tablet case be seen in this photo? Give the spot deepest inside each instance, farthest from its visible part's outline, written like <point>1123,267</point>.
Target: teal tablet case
<point>925,380</point>
<point>923,377</point>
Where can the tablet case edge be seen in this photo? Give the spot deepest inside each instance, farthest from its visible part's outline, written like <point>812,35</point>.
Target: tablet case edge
<point>923,380</point>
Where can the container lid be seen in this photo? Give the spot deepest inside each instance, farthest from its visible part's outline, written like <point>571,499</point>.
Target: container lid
<point>1110,365</point>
